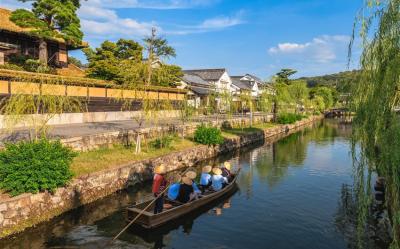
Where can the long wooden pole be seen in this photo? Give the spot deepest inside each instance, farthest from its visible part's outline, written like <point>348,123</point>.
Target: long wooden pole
<point>141,212</point>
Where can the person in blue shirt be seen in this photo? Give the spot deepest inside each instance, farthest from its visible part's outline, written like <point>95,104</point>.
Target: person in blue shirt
<point>173,190</point>
<point>218,181</point>
<point>205,178</point>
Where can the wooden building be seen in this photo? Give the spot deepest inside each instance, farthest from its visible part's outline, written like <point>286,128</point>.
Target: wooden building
<point>17,40</point>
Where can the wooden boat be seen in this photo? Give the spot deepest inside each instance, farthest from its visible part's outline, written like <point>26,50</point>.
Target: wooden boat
<point>150,220</point>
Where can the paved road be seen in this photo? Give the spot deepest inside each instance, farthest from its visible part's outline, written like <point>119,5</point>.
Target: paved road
<point>85,129</point>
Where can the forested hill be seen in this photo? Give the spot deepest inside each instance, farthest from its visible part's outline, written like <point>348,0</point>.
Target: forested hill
<point>341,81</point>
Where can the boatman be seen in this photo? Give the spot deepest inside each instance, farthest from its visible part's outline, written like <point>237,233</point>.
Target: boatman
<point>159,185</point>
<point>226,171</point>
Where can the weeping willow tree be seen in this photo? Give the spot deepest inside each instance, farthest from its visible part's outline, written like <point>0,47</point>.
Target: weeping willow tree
<point>375,97</point>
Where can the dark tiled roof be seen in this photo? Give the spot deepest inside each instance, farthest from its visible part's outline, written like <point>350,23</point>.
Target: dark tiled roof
<point>200,90</point>
<point>242,84</point>
<point>207,74</point>
<point>255,78</point>
<point>192,79</point>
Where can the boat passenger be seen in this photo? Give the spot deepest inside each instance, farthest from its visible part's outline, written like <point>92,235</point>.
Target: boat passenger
<point>192,175</point>
<point>186,191</point>
<point>159,185</point>
<point>218,181</point>
<point>205,179</point>
<point>173,190</point>
<point>226,171</point>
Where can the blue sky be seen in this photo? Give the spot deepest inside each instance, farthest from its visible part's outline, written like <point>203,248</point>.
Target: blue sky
<point>254,36</point>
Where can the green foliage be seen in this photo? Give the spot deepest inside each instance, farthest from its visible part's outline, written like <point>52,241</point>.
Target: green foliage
<point>208,135</point>
<point>106,61</point>
<point>157,48</point>
<point>75,61</point>
<point>17,106</point>
<point>35,166</point>
<point>26,63</point>
<point>342,81</point>
<point>374,98</point>
<point>162,142</point>
<point>226,125</point>
<point>37,66</point>
<point>299,92</point>
<point>284,74</point>
<point>289,118</point>
<point>326,93</point>
<point>122,62</point>
<point>51,19</point>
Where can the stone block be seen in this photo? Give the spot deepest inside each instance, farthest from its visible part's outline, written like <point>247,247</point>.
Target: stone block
<point>3,207</point>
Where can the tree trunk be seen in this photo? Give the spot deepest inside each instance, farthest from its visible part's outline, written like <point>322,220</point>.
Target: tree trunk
<point>43,56</point>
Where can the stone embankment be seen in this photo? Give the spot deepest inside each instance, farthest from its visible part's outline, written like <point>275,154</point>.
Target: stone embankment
<point>26,210</point>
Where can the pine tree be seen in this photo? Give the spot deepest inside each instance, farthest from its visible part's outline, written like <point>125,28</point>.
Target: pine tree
<point>51,19</point>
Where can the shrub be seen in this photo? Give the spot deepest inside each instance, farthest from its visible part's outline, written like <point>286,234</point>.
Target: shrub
<point>208,135</point>
<point>35,166</point>
<point>37,66</point>
<point>289,118</point>
<point>163,142</point>
<point>226,125</point>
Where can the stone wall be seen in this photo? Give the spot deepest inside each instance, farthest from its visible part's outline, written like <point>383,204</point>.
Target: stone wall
<point>26,210</point>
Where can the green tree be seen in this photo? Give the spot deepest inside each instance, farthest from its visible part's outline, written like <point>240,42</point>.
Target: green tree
<point>157,48</point>
<point>374,99</point>
<point>51,19</point>
<point>299,93</point>
<point>326,93</point>
<point>246,101</point>
<point>107,61</point>
<point>284,74</point>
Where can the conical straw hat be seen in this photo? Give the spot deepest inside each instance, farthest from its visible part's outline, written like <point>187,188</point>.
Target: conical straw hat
<point>227,165</point>
<point>207,169</point>
<point>191,174</point>
<point>217,171</point>
<point>187,180</point>
<point>160,169</point>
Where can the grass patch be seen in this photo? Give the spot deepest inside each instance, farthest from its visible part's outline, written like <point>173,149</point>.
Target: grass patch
<point>235,132</point>
<point>107,158</point>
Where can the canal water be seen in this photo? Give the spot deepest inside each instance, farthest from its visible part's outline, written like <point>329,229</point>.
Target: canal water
<point>293,193</point>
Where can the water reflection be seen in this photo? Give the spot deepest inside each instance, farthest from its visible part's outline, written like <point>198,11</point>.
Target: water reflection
<point>288,195</point>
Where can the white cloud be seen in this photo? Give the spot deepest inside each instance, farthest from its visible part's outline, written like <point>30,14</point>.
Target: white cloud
<point>89,12</point>
<point>220,22</point>
<point>211,24</point>
<point>321,55</point>
<point>321,49</point>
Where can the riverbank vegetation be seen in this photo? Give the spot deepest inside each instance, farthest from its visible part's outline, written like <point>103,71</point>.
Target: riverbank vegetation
<point>31,167</point>
<point>375,98</point>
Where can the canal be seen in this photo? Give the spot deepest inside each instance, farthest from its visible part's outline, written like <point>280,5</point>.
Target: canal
<point>293,193</point>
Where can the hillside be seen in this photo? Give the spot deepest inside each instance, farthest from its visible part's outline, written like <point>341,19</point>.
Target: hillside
<point>341,81</point>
